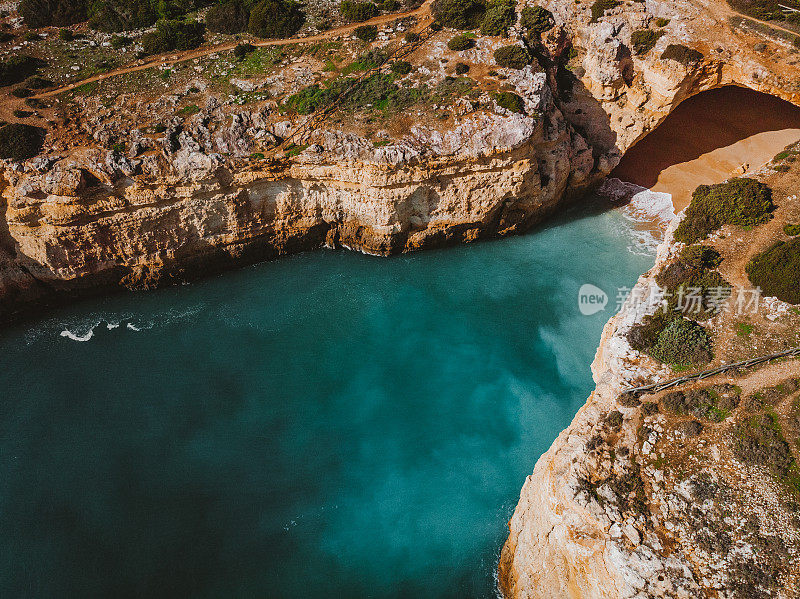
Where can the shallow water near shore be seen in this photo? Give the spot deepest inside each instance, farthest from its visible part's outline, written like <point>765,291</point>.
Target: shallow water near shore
<point>327,425</point>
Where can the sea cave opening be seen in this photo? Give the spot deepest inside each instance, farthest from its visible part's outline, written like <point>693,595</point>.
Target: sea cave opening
<point>710,137</point>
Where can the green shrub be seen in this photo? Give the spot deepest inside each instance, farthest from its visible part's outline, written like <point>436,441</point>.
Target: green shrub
<point>436,26</point>
<point>672,339</point>
<point>275,19</point>
<point>44,13</point>
<point>308,99</point>
<point>189,110</point>
<point>121,15</point>
<point>366,33</point>
<point>662,22</point>
<point>22,92</point>
<point>460,42</point>
<point>242,50</point>
<point>701,257</point>
<point>461,68</point>
<point>643,40</point>
<point>792,229</point>
<point>173,35</point>
<point>765,10</point>
<point>390,5</point>
<point>681,54</point>
<point>510,101</point>
<point>682,343</point>
<point>600,7</point>
<point>459,14</point>
<point>512,57</point>
<point>120,41</point>
<point>20,142</point>
<point>743,202</point>
<point>37,82</point>
<point>66,35</point>
<point>17,68</point>
<point>759,441</point>
<point>499,16</point>
<point>228,17</point>
<point>401,67</point>
<point>777,271</point>
<point>699,292</point>
<point>6,36</point>
<point>358,11</point>
<point>643,336</point>
<point>536,19</point>
<point>412,37</point>
<point>22,114</point>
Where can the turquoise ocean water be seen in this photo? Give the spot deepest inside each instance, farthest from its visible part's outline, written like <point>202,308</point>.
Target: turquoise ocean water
<point>327,425</point>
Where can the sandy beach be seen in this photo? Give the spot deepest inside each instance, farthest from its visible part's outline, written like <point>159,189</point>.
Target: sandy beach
<point>709,138</point>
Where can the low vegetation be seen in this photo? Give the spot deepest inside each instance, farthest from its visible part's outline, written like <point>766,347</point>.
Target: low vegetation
<point>600,7</point>
<point>536,19</point>
<point>759,441</point>
<point>743,202</point>
<point>510,101</point>
<point>264,18</point>
<point>105,15</point>
<point>643,40</point>
<point>500,15</point>
<point>672,339</point>
<point>366,33</point>
<point>460,42</point>
<point>512,57</point>
<point>792,229</point>
<point>173,35</point>
<point>777,271</point>
<point>18,68</point>
<point>765,10</point>
<point>682,54</point>
<point>20,142</point>
<point>401,67</point>
<point>358,11</point>
<point>690,284</point>
<point>713,403</point>
<point>459,14</point>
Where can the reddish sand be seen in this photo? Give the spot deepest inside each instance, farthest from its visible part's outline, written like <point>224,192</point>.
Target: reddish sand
<point>709,138</point>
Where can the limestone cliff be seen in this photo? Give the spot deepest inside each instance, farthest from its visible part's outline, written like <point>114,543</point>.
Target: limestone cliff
<point>663,495</point>
<point>137,187</point>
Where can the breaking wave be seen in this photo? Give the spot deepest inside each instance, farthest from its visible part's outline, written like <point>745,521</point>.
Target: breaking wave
<point>648,212</point>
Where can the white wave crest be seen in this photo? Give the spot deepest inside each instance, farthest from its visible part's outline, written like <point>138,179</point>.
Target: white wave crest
<point>649,212</point>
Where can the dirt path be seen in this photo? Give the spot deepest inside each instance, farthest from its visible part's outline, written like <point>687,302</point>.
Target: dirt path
<point>172,58</point>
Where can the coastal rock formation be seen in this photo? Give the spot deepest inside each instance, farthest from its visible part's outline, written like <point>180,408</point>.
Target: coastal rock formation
<point>686,492</point>
<point>109,204</point>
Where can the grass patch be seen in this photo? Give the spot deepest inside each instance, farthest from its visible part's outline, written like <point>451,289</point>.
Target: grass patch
<point>743,329</point>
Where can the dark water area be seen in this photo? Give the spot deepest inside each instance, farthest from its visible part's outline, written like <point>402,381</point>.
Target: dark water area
<point>327,425</point>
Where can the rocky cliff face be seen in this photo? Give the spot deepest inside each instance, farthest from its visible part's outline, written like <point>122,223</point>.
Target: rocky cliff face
<point>110,203</point>
<point>674,493</point>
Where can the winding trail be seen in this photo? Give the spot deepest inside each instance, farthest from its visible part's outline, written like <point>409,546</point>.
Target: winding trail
<point>422,11</point>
